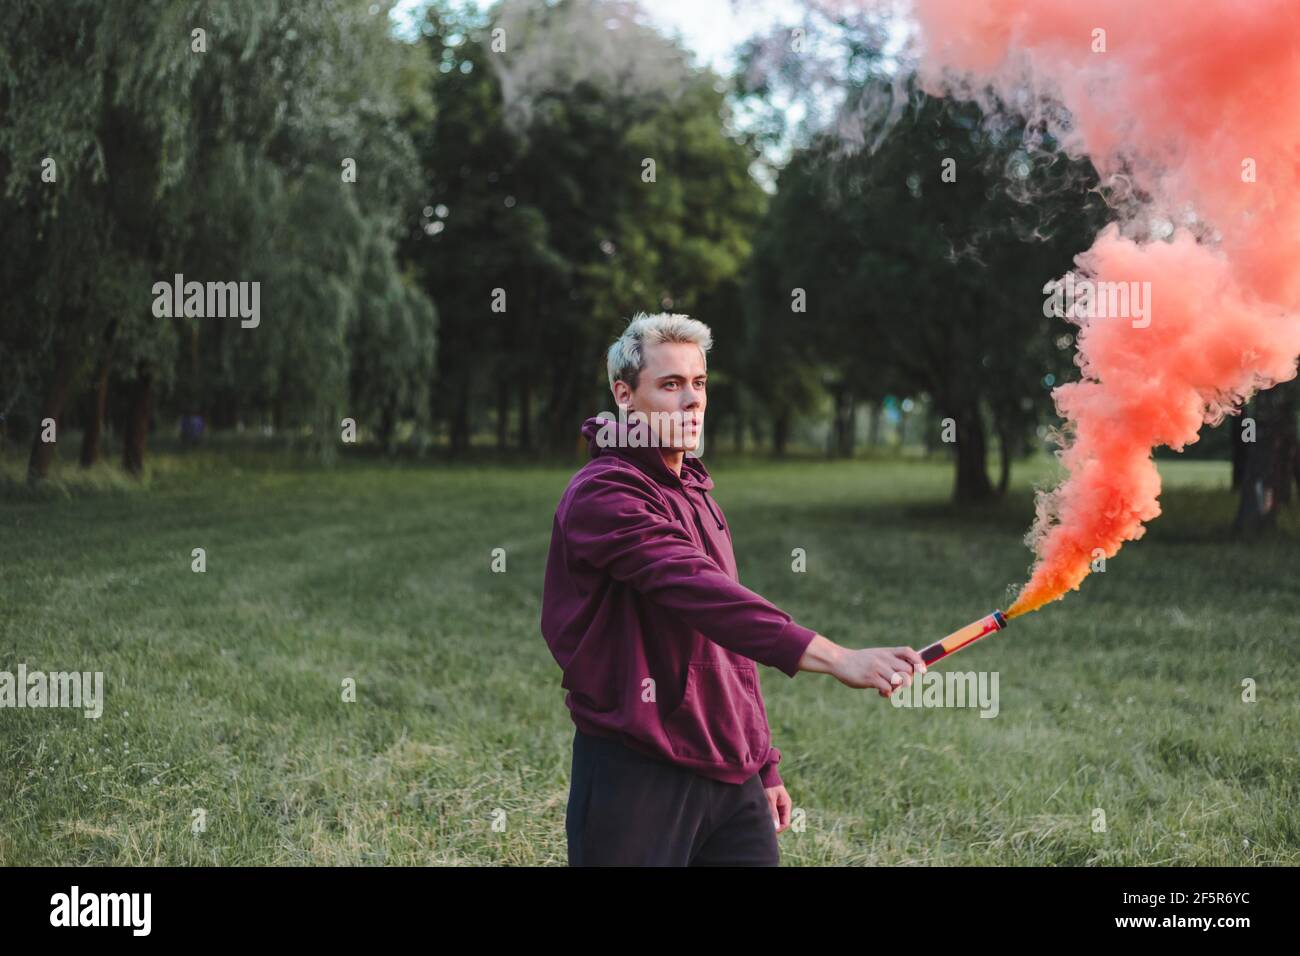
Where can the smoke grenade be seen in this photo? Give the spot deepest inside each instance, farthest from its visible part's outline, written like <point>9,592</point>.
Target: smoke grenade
<point>960,638</point>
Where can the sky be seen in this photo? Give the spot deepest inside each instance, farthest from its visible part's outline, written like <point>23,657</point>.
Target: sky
<point>713,28</point>
<point>710,28</point>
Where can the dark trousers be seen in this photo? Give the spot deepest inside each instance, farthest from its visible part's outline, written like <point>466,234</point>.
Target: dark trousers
<point>627,809</point>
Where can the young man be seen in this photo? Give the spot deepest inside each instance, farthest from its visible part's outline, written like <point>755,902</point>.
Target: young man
<point>673,762</point>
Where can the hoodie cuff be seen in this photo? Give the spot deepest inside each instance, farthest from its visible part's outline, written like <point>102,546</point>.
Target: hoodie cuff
<point>794,640</point>
<point>768,775</point>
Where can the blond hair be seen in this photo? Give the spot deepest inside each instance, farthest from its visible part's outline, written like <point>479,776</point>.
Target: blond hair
<point>627,357</point>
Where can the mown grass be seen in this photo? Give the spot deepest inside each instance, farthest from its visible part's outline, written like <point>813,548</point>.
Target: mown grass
<point>224,688</point>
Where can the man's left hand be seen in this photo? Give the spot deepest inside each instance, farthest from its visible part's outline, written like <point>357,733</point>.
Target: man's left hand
<point>779,803</point>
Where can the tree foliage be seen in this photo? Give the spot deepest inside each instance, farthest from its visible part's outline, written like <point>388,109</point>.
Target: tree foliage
<point>219,156</point>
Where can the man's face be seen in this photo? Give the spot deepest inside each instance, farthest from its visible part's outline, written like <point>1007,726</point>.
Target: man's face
<point>672,382</point>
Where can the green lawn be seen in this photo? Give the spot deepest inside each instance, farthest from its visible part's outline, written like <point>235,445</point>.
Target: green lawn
<point>224,688</point>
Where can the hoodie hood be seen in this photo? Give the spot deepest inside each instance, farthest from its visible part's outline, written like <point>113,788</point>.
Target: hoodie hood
<point>609,436</point>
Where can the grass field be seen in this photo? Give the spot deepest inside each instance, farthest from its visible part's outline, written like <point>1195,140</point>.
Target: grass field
<point>224,688</point>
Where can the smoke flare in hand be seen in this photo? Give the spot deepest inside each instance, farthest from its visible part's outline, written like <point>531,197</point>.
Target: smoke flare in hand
<point>1196,106</point>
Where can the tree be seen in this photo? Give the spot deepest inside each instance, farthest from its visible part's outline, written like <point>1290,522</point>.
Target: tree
<point>536,172</point>
<point>1271,463</point>
<point>205,141</point>
<point>918,284</point>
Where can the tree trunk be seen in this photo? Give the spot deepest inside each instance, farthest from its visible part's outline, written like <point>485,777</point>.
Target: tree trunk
<point>1271,462</point>
<point>562,411</point>
<point>873,424</point>
<point>503,414</point>
<point>38,464</point>
<point>842,433</point>
<point>780,434</point>
<point>1240,450</point>
<point>971,482</point>
<point>833,437</point>
<point>388,425</point>
<point>140,408</point>
<point>223,408</point>
<point>95,405</point>
<point>525,415</point>
<point>1004,460</point>
<point>460,420</point>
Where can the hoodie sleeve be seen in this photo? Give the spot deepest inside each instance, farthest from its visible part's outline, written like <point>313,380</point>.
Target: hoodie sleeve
<point>769,775</point>
<point>615,522</point>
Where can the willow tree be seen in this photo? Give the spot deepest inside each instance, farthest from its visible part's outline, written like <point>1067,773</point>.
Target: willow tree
<point>211,141</point>
<point>89,94</point>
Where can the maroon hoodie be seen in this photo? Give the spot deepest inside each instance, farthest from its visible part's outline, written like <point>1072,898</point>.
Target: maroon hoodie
<point>643,610</point>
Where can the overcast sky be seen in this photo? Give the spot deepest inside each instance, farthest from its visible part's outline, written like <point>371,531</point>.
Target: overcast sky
<point>713,28</point>
<point>710,28</point>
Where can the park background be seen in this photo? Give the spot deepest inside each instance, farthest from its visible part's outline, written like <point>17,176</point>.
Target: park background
<point>861,306</point>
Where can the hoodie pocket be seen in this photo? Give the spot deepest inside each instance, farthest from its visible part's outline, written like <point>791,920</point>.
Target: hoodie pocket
<point>720,719</point>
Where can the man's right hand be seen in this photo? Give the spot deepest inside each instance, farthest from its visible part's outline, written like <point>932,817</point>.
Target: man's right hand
<point>884,668</point>
<point>869,667</point>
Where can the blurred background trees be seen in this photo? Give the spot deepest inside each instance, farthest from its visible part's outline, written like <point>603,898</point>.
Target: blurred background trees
<point>583,195</point>
<point>527,176</point>
<point>207,140</point>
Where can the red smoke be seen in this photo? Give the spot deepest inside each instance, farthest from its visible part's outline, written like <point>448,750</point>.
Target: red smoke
<point>1187,104</point>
